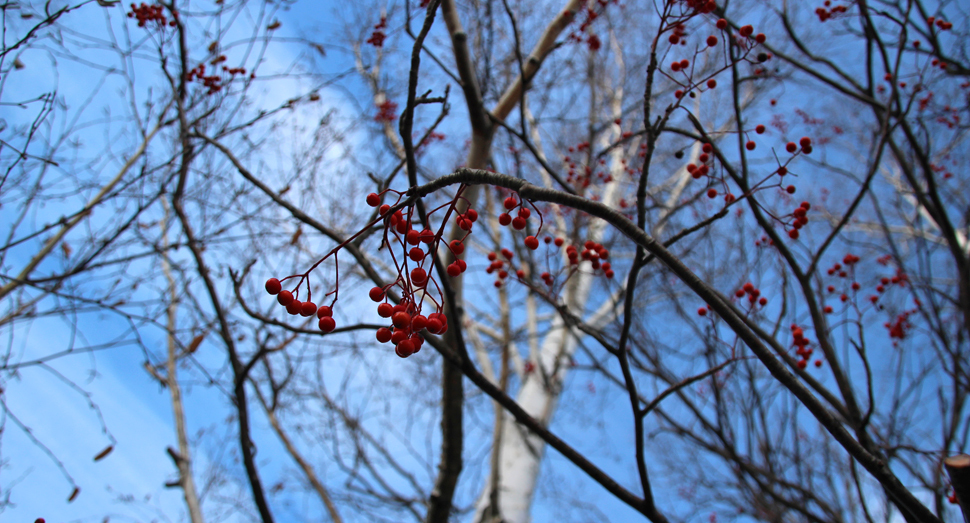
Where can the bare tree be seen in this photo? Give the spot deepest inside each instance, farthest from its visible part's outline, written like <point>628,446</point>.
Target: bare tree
<point>740,292</point>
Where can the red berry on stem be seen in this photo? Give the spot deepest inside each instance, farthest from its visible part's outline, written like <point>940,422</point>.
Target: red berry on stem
<point>327,324</point>
<point>518,223</point>
<point>419,322</point>
<point>721,24</point>
<point>419,276</point>
<point>510,203</point>
<point>376,294</point>
<point>285,298</point>
<point>702,311</point>
<point>273,286</point>
<point>453,270</point>
<point>712,83</point>
<point>711,41</point>
<point>750,145</point>
<point>504,219</point>
<point>760,129</point>
<point>294,307</point>
<point>324,311</point>
<point>531,242</point>
<point>383,335</point>
<point>401,319</point>
<point>308,309</point>
<point>404,349</point>
<point>385,310</point>
<point>791,147</point>
<point>373,200</point>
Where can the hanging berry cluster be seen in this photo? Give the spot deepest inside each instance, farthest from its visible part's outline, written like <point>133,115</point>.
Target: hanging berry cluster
<point>799,219</point>
<point>214,82</point>
<point>145,13</point>
<point>386,112</point>
<point>753,293</point>
<point>412,247</point>
<point>801,343</point>
<point>377,37</point>
<point>828,11</point>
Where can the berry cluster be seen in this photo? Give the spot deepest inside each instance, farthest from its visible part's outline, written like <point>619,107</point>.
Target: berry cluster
<point>592,252</point>
<point>800,215</point>
<point>302,308</point>
<point>415,270</point>
<point>941,24</point>
<point>377,37</point>
<point>801,342</point>
<point>828,11</point>
<point>520,221</point>
<point>753,293</point>
<point>145,13</point>
<point>501,267</point>
<point>386,112</point>
<point>214,82</point>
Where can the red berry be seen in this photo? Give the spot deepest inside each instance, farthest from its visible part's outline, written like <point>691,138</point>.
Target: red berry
<point>750,145</point>
<point>457,247</point>
<point>818,363</point>
<point>760,129</point>
<point>782,171</point>
<point>308,309</point>
<point>504,219</point>
<point>793,234</point>
<point>404,349</point>
<point>434,325</point>
<point>559,242</point>
<point>324,311</point>
<point>427,235</point>
<point>419,276</point>
<point>385,310</point>
<point>711,41</point>
<point>472,215</point>
<point>608,273</point>
<point>531,242</point>
<point>760,38</point>
<point>763,301</point>
<point>827,309</point>
<point>373,200</point>
<point>327,324</point>
<point>805,141</point>
<point>419,322</point>
<point>790,189</point>
<point>712,193</point>
<point>510,203</point>
<point>453,270</point>
<point>518,223</point>
<point>273,286</point>
<point>712,83</point>
<point>702,311</point>
<point>791,147</point>
<point>384,209</point>
<point>721,23</point>
<point>802,364</point>
<point>294,307</point>
<point>524,212</point>
<point>412,237</point>
<point>285,298</point>
<point>383,335</point>
<point>376,294</point>
<point>401,319</point>
<point>746,30</point>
